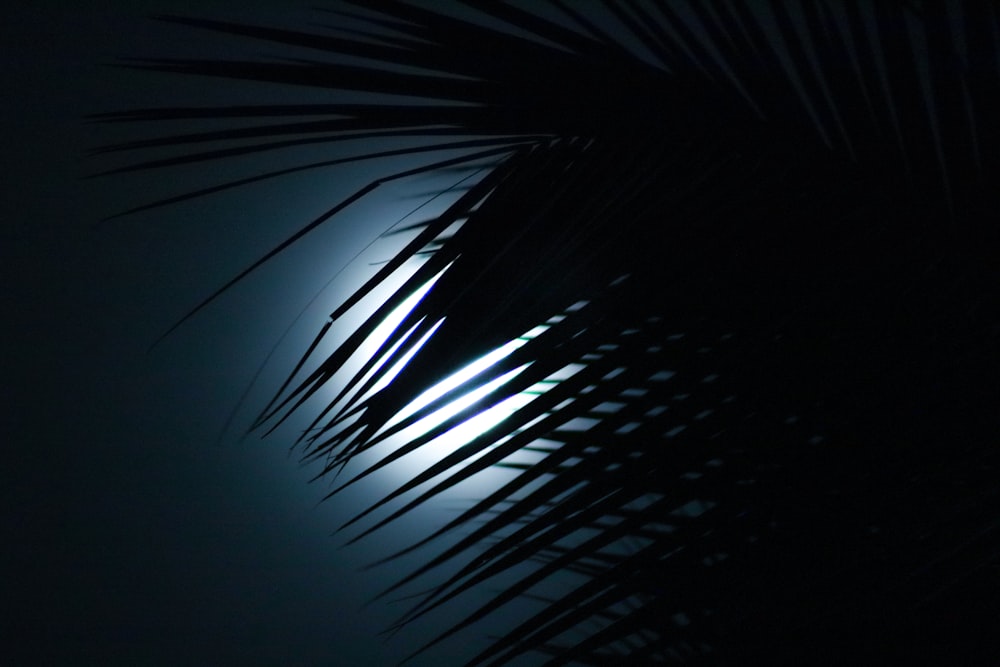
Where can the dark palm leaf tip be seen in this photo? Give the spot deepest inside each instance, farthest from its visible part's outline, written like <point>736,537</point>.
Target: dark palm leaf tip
<point>749,450</point>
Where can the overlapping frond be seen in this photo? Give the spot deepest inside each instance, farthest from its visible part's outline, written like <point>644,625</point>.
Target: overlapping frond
<point>751,244</point>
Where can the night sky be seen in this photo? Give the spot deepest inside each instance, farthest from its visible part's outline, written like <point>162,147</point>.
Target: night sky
<point>135,531</point>
<point>143,526</point>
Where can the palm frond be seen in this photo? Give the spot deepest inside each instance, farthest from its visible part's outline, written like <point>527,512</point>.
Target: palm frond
<point>738,257</point>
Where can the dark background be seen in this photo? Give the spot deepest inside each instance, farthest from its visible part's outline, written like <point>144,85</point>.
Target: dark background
<point>138,527</point>
<point>136,532</point>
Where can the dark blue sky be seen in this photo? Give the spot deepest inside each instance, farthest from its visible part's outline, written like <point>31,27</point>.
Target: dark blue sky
<point>133,537</point>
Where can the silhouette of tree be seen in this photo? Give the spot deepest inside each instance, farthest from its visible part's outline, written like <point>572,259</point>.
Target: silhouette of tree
<point>753,245</point>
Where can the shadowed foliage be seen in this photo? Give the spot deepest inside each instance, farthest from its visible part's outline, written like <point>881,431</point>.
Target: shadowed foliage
<point>746,251</point>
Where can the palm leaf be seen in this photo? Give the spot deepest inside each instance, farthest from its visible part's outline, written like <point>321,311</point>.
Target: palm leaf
<point>744,251</point>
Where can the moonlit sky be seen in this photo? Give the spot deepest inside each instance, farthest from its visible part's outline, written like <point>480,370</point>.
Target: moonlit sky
<point>138,527</point>
<point>134,534</point>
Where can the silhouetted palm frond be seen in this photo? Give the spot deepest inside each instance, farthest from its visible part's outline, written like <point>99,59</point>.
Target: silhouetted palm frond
<point>737,260</point>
